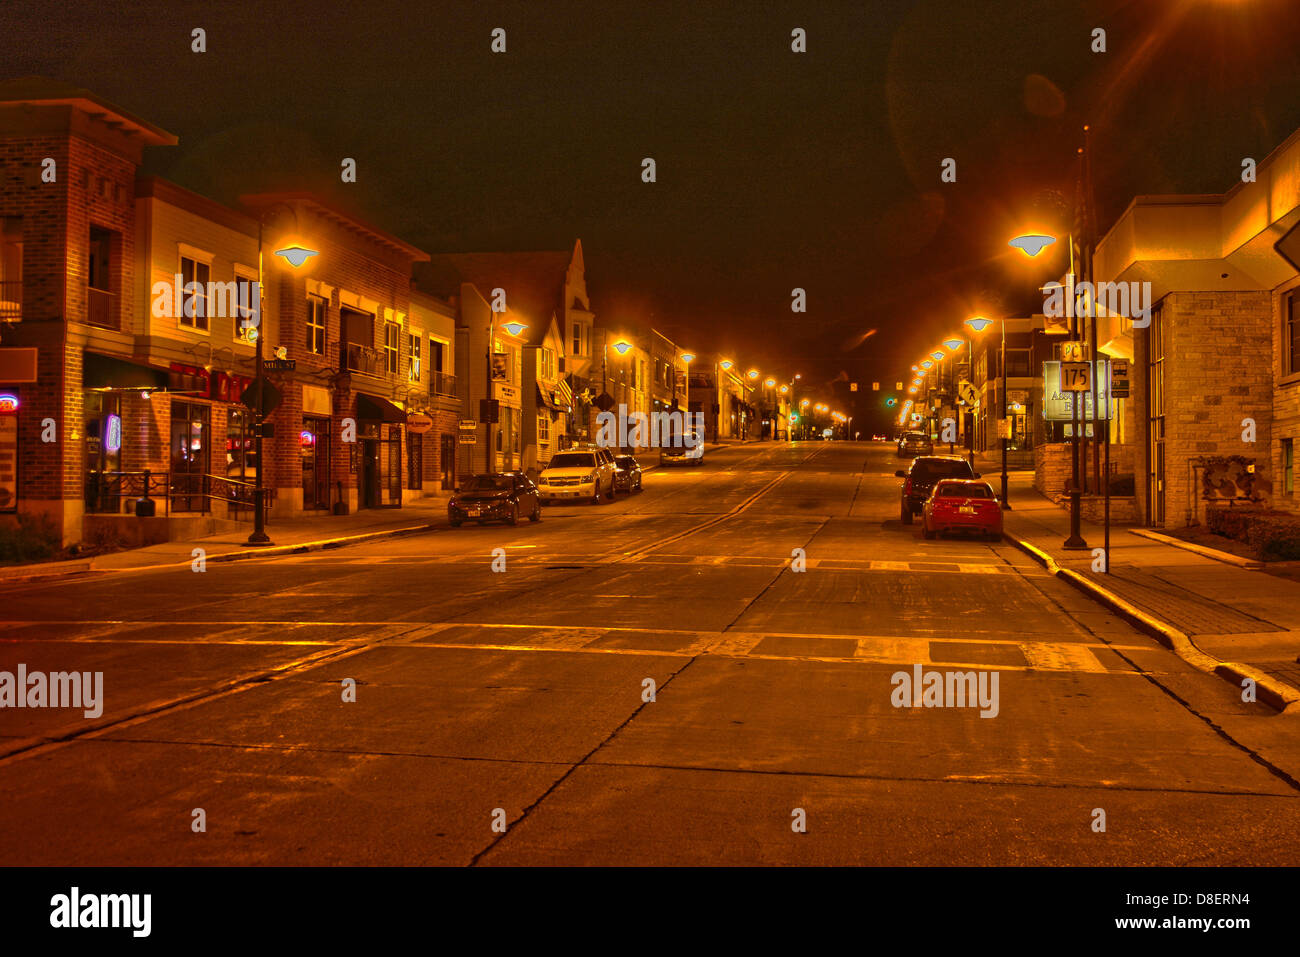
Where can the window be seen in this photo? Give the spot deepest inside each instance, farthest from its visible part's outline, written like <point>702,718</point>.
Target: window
<point>316,325</point>
<point>413,342</point>
<point>392,331</point>
<point>437,354</point>
<point>548,364</point>
<point>1292,332</point>
<point>194,311</point>
<point>245,295</point>
<point>578,350</point>
<point>543,429</point>
<point>1288,466</point>
<point>11,267</point>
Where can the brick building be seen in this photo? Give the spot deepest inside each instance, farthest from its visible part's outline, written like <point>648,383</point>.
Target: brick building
<point>126,345</point>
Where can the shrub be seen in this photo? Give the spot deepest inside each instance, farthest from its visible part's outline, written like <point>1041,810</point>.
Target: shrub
<point>1122,485</point>
<point>1275,536</point>
<point>29,539</point>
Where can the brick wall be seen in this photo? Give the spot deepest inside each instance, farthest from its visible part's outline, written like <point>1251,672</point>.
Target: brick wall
<point>1286,403</point>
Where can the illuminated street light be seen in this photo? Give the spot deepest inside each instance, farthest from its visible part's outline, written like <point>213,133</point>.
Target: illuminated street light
<point>296,255</point>
<point>770,383</point>
<point>1031,244</point>
<point>953,344</point>
<point>514,328</point>
<point>620,347</point>
<point>926,364</point>
<point>726,365</point>
<point>753,373</point>
<point>979,323</point>
<point>785,389</point>
<point>936,355</point>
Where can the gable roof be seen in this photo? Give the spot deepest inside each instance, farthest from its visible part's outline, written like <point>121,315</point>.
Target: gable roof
<point>533,281</point>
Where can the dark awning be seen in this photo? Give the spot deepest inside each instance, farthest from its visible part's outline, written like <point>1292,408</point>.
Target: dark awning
<point>373,407</point>
<point>106,372</point>
<point>547,399</point>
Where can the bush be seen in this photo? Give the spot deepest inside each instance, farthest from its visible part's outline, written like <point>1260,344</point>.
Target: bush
<point>1275,536</point>
<point>1122,485</point>
<point>30,539</point>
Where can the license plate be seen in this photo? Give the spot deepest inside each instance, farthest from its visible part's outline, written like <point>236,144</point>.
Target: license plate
<point>966,509</point>
<point>474,511</point>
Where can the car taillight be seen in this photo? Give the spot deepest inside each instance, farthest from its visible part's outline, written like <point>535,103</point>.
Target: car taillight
<point>907,486</point>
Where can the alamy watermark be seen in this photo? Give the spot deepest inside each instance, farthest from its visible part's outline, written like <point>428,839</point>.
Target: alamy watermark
<point>1082,299</point>
<point>58,689</point>
<point>640,430</point>
<point>946,689</point>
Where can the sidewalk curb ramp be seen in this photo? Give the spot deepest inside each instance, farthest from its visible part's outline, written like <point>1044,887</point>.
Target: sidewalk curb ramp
<point>69,569</point>
<point>1269,690</point>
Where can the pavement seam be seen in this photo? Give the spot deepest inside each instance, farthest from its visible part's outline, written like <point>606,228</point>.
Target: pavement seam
<point>523,815</point>
<point>153,710</point>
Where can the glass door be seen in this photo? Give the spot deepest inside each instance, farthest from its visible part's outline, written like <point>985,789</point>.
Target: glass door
<point>189,456</point>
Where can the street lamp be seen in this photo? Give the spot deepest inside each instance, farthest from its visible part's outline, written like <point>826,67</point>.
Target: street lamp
<point>514,328</point>
<point>295,255</point>
<point>688,357</point>
<point>1031,244</point>
<point>979,324</point>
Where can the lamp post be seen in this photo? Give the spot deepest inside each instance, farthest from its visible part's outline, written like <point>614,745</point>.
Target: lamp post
<point>979,324</point>
<point>1031,245</point>
<point>295,256</point>
<point>688,357</point>
<point>514,328</point>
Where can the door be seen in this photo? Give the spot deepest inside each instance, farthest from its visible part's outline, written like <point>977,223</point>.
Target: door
<point>314,444</point>
<point>447,462</point>
<point>189,456</point>
<point>369,476</point>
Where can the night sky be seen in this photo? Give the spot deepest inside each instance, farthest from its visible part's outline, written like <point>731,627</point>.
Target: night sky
<point>775,169</point>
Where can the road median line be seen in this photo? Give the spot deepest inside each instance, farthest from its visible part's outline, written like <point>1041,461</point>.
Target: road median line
<point>1271,691</point>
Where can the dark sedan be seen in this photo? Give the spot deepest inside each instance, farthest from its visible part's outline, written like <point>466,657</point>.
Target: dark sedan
<point>919,479</point>
<point>500,497</point>
<point>628,476</point>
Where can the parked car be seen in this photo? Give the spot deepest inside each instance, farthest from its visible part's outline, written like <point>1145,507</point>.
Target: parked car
<point>962,506</point>
<point>583,473</point>
<point>911,444</point>
<point>673,453</point>
<point>496,497</point>
<point>628,476</point>
<point>878,437</point>
<point>920,477</point>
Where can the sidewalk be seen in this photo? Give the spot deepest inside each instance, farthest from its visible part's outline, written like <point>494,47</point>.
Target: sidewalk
<point>1235,621</point>
<point>287,536</point>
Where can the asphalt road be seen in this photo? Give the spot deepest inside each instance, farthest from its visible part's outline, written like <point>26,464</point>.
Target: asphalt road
<point>519,698</point>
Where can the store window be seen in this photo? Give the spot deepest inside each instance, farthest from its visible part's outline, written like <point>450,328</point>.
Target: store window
<point>103,451</point>
<point>314,450</point>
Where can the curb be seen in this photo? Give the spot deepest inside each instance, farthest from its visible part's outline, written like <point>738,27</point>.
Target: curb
<point>231,556</point>
<point>1218,556</point>
<point>23,573</point>
<point>1279,695</point>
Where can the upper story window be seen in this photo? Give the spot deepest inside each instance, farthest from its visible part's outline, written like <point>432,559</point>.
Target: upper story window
<point>579,340</point>
<point>414,341</point>
<point>392,339</point>
<point>316,307</point>
<point>547,370</point>
<point>194,298</point>
<point>11,267</point>
<point>245,294</point>
<point>1291,332</point>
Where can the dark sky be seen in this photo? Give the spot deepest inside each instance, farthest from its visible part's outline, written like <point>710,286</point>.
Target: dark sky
<point>775,169</point>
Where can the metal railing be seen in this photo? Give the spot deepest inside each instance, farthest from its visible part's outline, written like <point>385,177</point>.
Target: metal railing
<point>101,308</point>
<point>11,299</point>
<point>364,359</point>
<point>115,493</point>
<point>443,383</point>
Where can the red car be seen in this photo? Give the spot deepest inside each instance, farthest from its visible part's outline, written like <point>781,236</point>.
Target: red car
<point>962,505</point>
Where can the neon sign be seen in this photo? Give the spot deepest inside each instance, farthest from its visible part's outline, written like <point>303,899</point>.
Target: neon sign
<point>113,433</point>
<point>8,402</point>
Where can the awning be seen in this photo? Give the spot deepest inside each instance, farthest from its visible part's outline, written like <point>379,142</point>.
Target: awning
<point>106,372</point>
<point>546,397</point>
<point>373,407</point>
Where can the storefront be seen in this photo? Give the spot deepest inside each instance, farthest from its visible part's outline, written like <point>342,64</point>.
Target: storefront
<point>377,454</point>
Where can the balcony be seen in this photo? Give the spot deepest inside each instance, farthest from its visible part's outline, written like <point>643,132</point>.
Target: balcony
<point>101,308</point>
<point>443,383</point>
<point>11,300</point>
<point>363,359</point>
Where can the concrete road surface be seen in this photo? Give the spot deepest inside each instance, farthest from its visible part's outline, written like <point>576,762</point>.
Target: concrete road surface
<point>652,681</point>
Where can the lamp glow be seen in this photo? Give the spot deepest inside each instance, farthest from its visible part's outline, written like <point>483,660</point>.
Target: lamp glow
<point>622,346</point>
<point>296,255</point>
<point>1031,244</point>
<point>979,323</point>
<point>514,328</point>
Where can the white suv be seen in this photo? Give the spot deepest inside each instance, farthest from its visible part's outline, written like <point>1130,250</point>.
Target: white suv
<point>577,474</point>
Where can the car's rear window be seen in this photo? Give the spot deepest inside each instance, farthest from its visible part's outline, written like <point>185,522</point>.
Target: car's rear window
<point>962,490</point>
<point>572,460</point>
<point>938,468</point>
<point>625,462</point>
